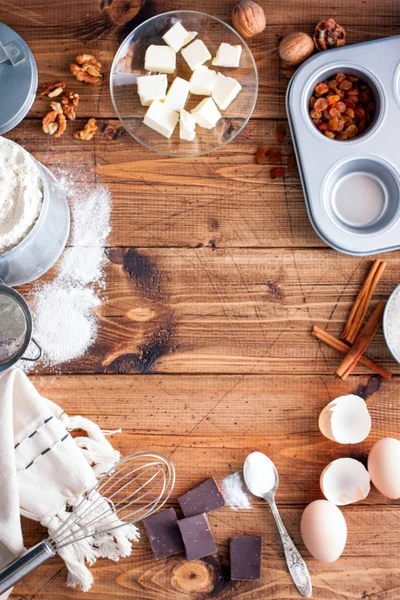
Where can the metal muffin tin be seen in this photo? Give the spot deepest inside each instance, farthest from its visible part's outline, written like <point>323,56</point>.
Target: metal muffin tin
<point>352,187</point>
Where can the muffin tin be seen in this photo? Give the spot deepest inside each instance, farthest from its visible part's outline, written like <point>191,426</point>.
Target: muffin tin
<point>352,187</point>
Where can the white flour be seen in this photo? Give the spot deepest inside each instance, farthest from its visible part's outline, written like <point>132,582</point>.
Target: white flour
<point>65,323</point>
<point>21,194</point>
<point>234,494</point>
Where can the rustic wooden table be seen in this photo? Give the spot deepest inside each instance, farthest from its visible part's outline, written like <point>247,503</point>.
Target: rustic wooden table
<point>214,278</point>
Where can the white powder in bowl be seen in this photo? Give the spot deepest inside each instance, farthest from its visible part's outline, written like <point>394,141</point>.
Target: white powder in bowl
<point>392,324</point>
<point>21,194</point>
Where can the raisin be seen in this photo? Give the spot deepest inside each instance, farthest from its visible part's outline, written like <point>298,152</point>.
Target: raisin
<point>353,92</point>
<point>334,124</point>
<point>334,112</point>
<point>370,106</point>
<point>353,79</point>
<point>351,131</point>
<point>345,85</point>
<point>361,126</point>
<point>341,106</point>
<point>277,172</point>
<point>274,156</point>
<point>333,99</point>
<point>321,88</point>
<point>316,114</point>
<point>365,96</point>
<point>323,126</point>
<point>349,103</point>
<point>312,101</point>
<point>349,112</point>
<point>260,155</point>
<point>341,135</point>
<point>321,104</point>
<point>330,134</point>
<point>340,77</point>
<point>359,113</point>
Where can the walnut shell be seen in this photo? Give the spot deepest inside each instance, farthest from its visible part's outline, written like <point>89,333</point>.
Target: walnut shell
<point>248,18</point>
<point>329,34</point>
<point>296,47</point>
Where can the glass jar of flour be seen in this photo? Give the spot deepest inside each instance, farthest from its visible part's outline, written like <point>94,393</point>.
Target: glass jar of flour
<point>34,216</point>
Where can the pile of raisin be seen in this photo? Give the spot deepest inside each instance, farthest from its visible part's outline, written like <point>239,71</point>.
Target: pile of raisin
<point>342,107</point>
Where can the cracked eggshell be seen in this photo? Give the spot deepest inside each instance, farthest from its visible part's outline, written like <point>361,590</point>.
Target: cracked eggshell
<point>324,530</point>
<point>384,467</point>
<point>345,420</point>
<point>345,481</point>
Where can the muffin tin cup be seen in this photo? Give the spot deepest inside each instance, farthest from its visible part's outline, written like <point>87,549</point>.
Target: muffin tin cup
<point>351,187</point>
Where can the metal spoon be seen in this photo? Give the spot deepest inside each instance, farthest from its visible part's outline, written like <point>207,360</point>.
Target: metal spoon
<point>262,480</point>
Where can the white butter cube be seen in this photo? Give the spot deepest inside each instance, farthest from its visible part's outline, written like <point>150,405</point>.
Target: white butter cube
<point>161,59</point>
<point>178,93</point>
<point>196,54</point>
<point>152,87</point>
<point>161,118</point>
<point>225,90</point>
<point>227,56</point>
<point>202,81</point>
<point>187,126</point>
<point>178,36</point>
<point>206,113</point>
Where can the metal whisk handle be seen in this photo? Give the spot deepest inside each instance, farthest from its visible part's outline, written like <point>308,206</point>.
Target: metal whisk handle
<point>24,565</point>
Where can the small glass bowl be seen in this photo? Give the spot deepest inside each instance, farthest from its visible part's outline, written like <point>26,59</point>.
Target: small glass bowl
<point>128,64</point>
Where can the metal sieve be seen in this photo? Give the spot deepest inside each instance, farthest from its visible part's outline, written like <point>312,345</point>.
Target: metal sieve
<point>15,328</point>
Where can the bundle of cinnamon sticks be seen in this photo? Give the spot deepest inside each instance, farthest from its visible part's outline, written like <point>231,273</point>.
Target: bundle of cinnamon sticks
<point>354,332</point>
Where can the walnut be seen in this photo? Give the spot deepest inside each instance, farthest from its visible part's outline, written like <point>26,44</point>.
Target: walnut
<point>53,89</point>
<point>88,59</point>
<point>87,69</point>
<point>82,75</point>
<point>57,107</point>
<point>248,18</point>
<point>69,102</point>
<point>54,123</point>
<point>296,47</point>
<point>61,126</point>
<point>88,131</point>
<point>329,34</point>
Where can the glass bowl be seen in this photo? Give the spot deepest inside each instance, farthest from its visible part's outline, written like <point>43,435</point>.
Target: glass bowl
<point>128,64</point>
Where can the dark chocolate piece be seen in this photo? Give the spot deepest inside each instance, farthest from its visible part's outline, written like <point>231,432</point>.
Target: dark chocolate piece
<point>197,537</point>
<point>164,534</point>
<point>204,498</point>
<point>245,557</point>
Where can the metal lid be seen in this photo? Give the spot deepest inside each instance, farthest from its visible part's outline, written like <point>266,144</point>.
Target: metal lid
<point>18,78</point>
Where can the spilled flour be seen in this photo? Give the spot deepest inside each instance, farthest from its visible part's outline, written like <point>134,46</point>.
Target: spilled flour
<point>65,323</point>
<point>234,494</point>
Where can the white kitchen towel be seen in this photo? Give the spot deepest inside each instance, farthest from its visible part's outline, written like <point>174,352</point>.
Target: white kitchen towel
<point>44,473</point>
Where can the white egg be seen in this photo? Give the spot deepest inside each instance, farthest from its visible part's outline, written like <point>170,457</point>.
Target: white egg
<point>345,420</point>
<point>345,481</point>
<point>324,530</point>
<point>384,467</point>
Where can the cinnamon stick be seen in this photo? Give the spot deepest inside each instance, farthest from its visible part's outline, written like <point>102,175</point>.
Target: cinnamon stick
<point>361,342</point>
<point>333,342</point>
<point>361,304</point>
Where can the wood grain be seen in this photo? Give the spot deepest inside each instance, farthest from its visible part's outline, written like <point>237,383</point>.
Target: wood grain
<point>214,279</point>
<point>211,310</point>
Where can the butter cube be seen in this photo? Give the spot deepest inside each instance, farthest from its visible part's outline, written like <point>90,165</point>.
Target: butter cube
<point>161,59</point>
<point>178,93</point>
<point>178,36</point>
<point>227,56</point>
<point>206,113</point>
<point>187,126</point>
<point>196,54</point>
<point>161,118</point>
<point>225,90</point>
<point>152,87</point>
<point>202,81</point>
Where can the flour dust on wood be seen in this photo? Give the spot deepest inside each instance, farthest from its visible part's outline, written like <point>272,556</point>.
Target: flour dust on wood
<point>64,310</point>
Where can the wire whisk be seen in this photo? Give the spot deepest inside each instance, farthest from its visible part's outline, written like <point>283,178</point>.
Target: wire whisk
<point>135,488</point>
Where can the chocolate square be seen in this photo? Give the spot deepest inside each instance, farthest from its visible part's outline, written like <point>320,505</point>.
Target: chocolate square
<point>197,537</point>
<point>164,534</point>
<point>245,557</point>
<point>204,498</point>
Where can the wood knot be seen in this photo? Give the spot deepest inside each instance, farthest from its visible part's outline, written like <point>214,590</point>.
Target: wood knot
<point>194,576</point>
<point>121,11</point>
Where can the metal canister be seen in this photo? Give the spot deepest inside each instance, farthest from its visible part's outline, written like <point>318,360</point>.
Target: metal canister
<point>15,328</point>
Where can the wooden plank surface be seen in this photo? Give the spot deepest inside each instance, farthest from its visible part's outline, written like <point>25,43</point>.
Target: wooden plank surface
<point>214,277</point>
